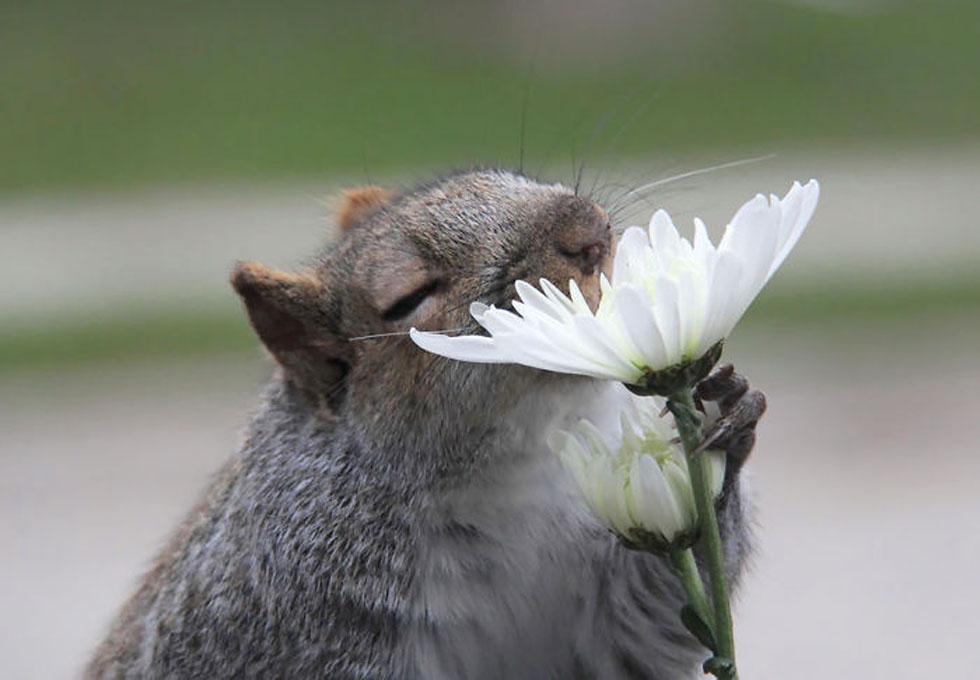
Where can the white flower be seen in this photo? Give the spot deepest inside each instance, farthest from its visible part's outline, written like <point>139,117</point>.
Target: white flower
<point>640,488</point>
<point>669,302</point>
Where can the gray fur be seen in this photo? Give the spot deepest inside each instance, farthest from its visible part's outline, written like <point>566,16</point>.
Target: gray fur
<point>412,523</point>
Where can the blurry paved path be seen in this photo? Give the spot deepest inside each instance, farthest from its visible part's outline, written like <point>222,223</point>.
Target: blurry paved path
<point>879,214</point>
<point>866,468</point>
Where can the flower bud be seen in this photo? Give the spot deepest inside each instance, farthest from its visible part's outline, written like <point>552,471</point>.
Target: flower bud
<point>640,487</point>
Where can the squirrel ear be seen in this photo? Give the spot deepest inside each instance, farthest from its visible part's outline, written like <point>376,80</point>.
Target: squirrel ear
<point>290,315</point>
<point>357,204</point>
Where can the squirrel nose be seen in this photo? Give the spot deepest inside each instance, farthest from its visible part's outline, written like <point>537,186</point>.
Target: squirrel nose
<point>588,256</point>
<point>586,238</point>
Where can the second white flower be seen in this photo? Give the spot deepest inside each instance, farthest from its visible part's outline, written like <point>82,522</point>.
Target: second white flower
<point>640,487</point>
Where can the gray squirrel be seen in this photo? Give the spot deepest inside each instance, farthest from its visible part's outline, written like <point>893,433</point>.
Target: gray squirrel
<point>396,514</point>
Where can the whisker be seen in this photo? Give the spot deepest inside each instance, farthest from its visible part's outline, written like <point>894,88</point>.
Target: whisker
<point>645,94</point>
<point>699,171</point>
<point>627,186</point>
<point>374,336</point>
<point>527,96</point>
<point>621,189</point>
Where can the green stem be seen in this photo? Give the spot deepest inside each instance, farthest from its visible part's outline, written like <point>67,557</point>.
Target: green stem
<point>681,404</point>
<point>690,578</point>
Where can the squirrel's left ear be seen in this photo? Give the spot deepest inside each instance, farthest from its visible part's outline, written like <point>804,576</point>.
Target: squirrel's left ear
<point>291,314</point>
<point>360,203</point>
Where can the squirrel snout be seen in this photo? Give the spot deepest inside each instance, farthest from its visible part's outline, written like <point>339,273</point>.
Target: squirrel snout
<point>585,238</point>
<point>588,256</point>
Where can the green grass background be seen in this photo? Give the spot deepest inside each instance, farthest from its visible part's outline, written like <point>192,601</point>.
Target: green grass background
<point>114,92</point>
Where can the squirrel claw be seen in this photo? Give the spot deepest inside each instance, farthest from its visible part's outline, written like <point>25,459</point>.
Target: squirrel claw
<point>741,408</point>
<point>723,386</point>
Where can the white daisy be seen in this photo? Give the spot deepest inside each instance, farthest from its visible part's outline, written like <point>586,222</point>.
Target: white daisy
<point>640,487</point>
<point>670,302</point>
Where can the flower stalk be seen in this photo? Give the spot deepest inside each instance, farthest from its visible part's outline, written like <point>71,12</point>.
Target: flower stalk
<point>687,573</point>
<point>722,665</point>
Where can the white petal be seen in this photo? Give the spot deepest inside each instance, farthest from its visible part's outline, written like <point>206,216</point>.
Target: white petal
<point>539,352</point>
<point>630,439</point>
<point>629,254</point>
<point>598,475</point>
<point>716,466</point>
<point>663,514</point>
<point>473,348</point>
<point>477,310</point>
<point>504,321</point>
<point>682,494</point>
<point>578,300</point>
<point>612,484</point>
<point>537,300</point>
<point>555,294</point>
<point>751,212</point>
<point>667,315</point>
<point>594,439</point>
<point>640,325</point>
<point>761,235</point>
<point>721,313</point>
<point>691,297</point>
<point>642,507</point>
<point>805,203</point>
<point>567,343</point>
<point>515,340</point>
<point>602,350</point>
<point>663,233</point>
<point>704,251</point>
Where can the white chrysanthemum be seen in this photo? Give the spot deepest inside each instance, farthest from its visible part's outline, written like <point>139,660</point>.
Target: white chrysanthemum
<point>669,302</point>
<point>641,489</point>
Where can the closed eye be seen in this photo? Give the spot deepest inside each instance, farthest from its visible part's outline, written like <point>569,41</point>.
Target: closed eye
<point>403,307</point>
<point>502,294</point>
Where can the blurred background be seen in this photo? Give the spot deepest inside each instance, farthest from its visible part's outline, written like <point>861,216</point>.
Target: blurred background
<point>144,147</point>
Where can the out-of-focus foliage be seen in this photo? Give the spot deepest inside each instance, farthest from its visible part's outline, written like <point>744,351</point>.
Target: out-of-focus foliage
<point>109,92</point>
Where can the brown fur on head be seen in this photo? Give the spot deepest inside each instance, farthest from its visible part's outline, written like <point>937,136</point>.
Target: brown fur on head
<point>419,259</point>
<point>360,203</point>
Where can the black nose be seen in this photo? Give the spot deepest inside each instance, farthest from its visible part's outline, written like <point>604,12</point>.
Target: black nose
<point>583,234</point>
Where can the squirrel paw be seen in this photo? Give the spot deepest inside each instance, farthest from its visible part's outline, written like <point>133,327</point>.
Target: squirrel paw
<point>741,408</point>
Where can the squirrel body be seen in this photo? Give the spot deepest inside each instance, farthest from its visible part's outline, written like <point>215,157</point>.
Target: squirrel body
<point>392,514</point>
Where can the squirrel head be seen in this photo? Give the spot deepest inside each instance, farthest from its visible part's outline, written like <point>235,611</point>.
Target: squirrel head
<point>419,258</point>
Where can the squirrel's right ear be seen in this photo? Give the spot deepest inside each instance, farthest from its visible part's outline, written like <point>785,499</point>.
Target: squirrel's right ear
<point>357,204</point>
<point>290,314</point>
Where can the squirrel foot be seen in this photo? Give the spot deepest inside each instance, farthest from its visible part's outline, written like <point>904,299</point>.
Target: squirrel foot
<point>741,408</point>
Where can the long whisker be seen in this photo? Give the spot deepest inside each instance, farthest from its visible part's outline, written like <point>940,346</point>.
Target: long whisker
<point>646,92</point>
<point>699,171</point>
<point>375,336</point>
<point>527,96</point>
<point>619,191</point>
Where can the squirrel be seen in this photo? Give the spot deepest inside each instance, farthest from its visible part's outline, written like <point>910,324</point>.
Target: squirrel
<point>396,514</point>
